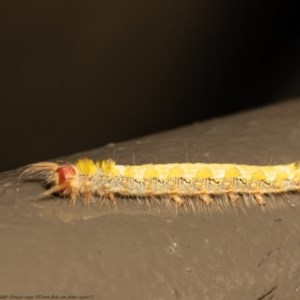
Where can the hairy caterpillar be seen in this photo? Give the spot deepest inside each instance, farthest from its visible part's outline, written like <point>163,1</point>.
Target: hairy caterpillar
<point>177,181</point>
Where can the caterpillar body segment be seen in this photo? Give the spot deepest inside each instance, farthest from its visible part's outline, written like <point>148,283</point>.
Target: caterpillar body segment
<point>87,179</point>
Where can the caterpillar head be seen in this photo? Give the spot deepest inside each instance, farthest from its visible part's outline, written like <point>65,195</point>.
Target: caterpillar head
<point>58,177</point>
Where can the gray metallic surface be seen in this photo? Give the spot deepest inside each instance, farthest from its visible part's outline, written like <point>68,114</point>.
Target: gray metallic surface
<point>132,251</point>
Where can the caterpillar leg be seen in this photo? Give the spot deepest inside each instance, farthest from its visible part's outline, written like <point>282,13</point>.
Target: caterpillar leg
<point>73,198</point>
<point>111,198</point>
<point>87,198</point>
<point>63,189</point>
<point>233,197</point>
<point>259,199</point>
<point>178,200</point>
<point>57,189</point>
<point>206,199</point>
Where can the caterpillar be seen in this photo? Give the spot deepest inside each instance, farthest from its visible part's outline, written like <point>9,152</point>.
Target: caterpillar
<point>87,179</point>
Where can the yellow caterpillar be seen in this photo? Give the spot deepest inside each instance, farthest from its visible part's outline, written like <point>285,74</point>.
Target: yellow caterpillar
<point>177,181</point>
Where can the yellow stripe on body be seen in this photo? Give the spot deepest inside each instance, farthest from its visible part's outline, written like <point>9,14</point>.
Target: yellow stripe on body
<point>196,171</point>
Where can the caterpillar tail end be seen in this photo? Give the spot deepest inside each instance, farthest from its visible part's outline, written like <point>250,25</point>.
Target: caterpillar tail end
<point>58,177</point>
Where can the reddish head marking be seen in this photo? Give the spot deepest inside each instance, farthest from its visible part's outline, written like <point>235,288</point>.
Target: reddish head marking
<point>64,173</point>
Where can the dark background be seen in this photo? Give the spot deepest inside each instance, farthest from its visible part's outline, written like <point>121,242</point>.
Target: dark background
<point>76,75</point>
